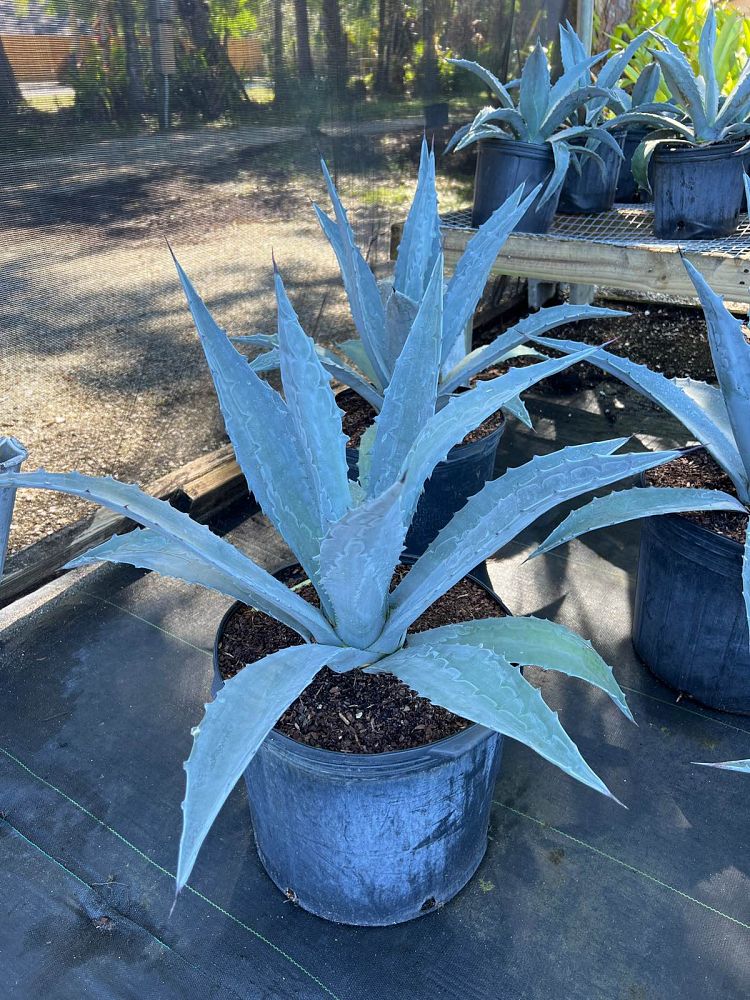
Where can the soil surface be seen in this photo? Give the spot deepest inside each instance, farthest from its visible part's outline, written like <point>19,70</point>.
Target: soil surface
<point>356,712</point>
<point>358,415</point>
<point>698,469</point>
<point>668,339</point>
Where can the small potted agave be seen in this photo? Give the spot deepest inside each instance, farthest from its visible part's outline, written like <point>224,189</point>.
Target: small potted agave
<point>531,141</point>
<point>692,600</point>
<point>395,826</point>
<point>590,183</point>
<point>693,150</point>
<point>383,314</point>
<point>642,98</point>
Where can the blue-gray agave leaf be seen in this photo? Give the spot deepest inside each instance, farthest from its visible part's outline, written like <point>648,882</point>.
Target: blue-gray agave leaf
<point>535,87</point>
<point>409,401</point>
<point>664,392</point>
<point>235,724</point>
<point>269,361</point>
<point>576,74</point>
<point>678,75</point>
<point>420,241</point>
<point>312,412</point>
<point>502,509</point>
<point>517,408</point>
<point>646,86</point>
<point>349,377</point>
<point>189,542</point>
<point>562,158</point>
<point>358,557</point>
<point>611,72</point>
<point>706,46</point>
<point>473,269</point>
<point>488,79</point>
<point>359,281</point>
<point>353,350</point>
<point>146,549</point>
<point>536,325</point>
<point>629,505</point>
<point>532,642</point>
<point>400,313</point>
<point>256,419</point>
<point>729,765</point>
<point>480,685</point>
<point>710,400</point>
<point>735,107</point>
<point>730,353</point>
<point>463,413</point>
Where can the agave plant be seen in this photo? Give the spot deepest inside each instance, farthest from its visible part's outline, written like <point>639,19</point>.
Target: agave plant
<point>348,537</point>
<point>383,314</point>
<point>718,417</point>
<point>702,114</point>
<point>730,765</point>
<point>608,77</point>
<point>682,23</point>
<point>543,113</point>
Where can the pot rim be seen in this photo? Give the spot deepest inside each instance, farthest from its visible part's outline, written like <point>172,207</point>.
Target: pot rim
<point>708,536</point>
<point>671,149</point>
<point>449,746</point>
<point>533,150</point>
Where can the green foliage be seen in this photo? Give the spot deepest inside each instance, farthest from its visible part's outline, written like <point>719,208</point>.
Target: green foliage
<point>233,18</point>
<point>100,85</point>
<point>681,23</point>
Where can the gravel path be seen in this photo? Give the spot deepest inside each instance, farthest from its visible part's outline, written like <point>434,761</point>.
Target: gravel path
<point>101,368</point>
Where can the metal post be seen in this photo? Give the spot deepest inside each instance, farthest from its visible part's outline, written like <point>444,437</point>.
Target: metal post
<point>585,23</point>
<point>165,121</point>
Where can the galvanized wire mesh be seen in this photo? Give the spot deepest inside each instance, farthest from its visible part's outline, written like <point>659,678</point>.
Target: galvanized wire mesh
<point>625,226</point>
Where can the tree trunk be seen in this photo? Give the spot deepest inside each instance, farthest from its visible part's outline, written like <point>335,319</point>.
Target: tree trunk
<point>280,88</point>
<point>429,60</point>
<point>305,66</point>
<point>610,14</point>
<point>335,46</point>
<point>381,65</point>
<point>10,95</point>
<point>133,61</point>
<point>223,84</point>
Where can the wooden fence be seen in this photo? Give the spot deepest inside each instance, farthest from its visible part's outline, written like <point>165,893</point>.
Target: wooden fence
<point>41,58</point>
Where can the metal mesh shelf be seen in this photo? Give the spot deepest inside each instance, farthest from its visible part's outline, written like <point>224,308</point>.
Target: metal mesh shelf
<point>623,226</point>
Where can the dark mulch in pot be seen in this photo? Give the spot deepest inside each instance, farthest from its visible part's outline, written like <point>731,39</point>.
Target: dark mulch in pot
<point>698,469</point>
<point>668,339</point>
<point>358,415</point>
<point>356,712</point>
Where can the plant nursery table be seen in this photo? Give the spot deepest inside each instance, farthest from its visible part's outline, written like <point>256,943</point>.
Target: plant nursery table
<point>614,248</point>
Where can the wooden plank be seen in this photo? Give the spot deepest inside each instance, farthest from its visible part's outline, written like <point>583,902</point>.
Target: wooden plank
<point>652,269</point>
<point>201,488</point>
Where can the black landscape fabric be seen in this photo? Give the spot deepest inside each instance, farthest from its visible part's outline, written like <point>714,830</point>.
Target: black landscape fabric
<point>576,897</point>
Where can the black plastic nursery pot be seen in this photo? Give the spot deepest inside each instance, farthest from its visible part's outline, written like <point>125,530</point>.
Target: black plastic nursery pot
<point>503,165</point>
<point>372,839</point>
<point>462,474</point>
<point>436,115</point>
<point>592,190</point>
<point>697,191</point>
<point>690,626</point>
<point>627,191</point>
